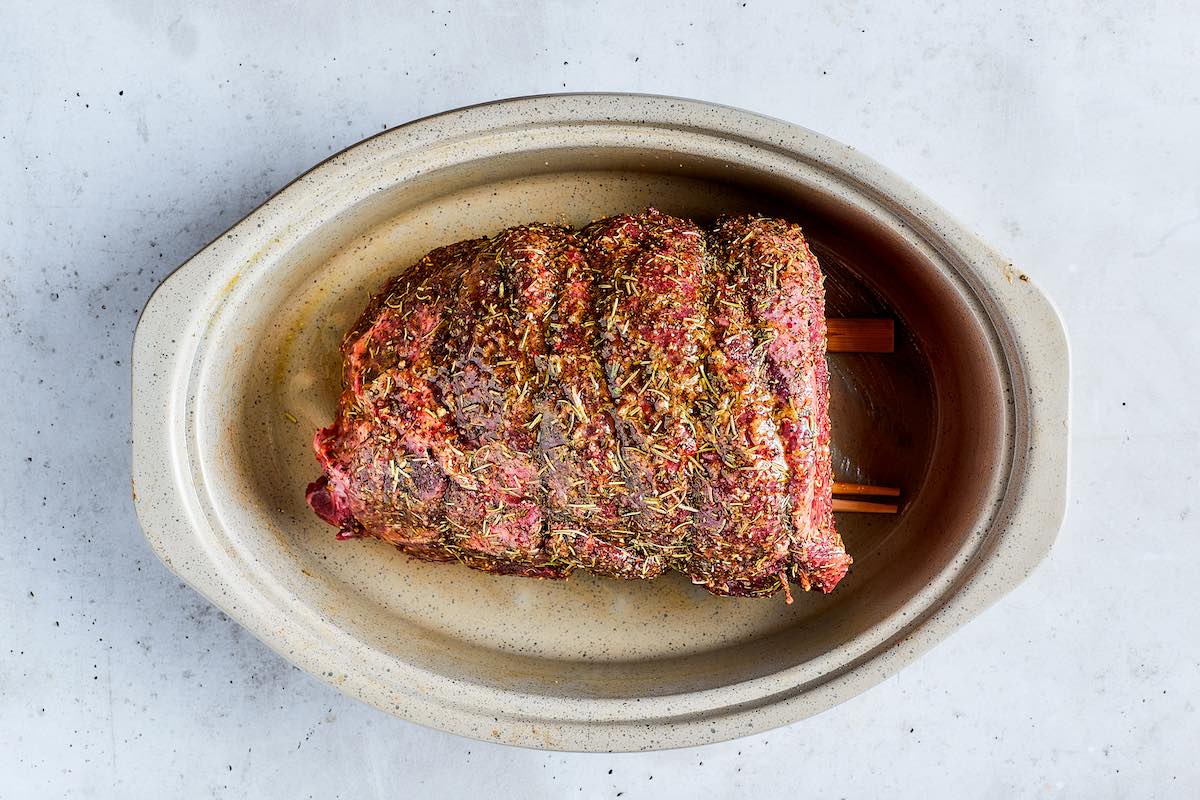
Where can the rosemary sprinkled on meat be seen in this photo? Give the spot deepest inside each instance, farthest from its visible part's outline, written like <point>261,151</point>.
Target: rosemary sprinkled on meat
<point>787,303</point>
<point>634,397</point>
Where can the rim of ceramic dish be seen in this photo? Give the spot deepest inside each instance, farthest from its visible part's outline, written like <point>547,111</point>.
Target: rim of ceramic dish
<point>177,514</point>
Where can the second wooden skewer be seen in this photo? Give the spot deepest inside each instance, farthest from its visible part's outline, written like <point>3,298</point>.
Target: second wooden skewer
<point>864,490</point>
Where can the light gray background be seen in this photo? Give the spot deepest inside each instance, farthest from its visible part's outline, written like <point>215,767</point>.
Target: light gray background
<point>131,133</point>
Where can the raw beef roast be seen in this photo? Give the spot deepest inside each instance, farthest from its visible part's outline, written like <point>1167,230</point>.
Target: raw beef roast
<point>638,396</point>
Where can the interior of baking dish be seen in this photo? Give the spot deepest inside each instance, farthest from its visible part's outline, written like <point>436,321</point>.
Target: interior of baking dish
<point>930,418</point>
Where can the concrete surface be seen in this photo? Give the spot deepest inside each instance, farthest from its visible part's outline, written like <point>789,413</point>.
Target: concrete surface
<point>133,132</point>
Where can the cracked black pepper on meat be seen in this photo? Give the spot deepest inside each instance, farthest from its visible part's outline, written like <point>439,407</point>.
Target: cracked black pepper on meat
<point>638,396</point>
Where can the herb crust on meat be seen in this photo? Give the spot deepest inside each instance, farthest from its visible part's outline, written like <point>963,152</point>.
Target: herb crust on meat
<point>638,396</point>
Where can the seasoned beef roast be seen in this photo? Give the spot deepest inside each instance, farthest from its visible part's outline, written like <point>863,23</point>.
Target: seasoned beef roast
<point>637,396</point>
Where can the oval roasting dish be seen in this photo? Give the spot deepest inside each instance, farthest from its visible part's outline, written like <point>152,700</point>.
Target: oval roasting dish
<point>236,364</point>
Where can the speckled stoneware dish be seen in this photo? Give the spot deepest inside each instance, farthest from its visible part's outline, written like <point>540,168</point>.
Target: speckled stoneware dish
<point>236,364</point>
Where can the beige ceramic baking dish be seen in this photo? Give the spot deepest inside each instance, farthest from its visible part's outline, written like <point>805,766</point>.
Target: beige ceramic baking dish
<point>236,364</point>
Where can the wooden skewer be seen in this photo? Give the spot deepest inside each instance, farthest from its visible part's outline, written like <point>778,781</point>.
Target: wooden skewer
<point>861,335</point>
<point>864,506</point>
<point>862,488</point>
